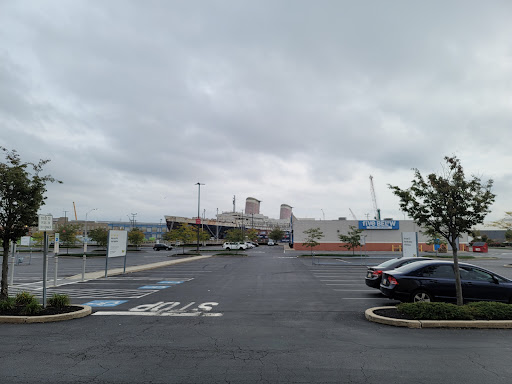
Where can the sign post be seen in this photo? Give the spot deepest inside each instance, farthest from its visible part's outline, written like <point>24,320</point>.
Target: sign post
<point>45,223</point>
<point>116,246</point>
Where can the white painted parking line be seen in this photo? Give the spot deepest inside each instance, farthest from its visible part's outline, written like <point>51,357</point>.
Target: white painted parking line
<point>167,309</point>
<point>362,298</point>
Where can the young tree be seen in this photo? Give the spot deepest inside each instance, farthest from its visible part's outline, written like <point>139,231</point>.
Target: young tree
<point>276,234</point>
<point>68,234</point>
<point>312,235</point>
<point>352,240</point>
<point>184,233</point>
<point>136,237</point>
<point>449,204</point>
<point>235,235</point>
<point>22,189</point>
<point>38,238</point>
<point>252,235</point>
<point>99,235</point>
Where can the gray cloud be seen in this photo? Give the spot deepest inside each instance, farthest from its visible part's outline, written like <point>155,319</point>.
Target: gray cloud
<point>288,101</point>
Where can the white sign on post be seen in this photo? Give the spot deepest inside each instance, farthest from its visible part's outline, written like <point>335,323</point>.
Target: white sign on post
<point>117,242</point>
<point>56,243</point>
<point>45,222</point>
<point>25,241</point>
<point>409,244</point>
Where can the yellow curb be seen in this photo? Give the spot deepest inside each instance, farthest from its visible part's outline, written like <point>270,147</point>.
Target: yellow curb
<point>480,324</point>
<point>135,268</point>
<point>85,311</point>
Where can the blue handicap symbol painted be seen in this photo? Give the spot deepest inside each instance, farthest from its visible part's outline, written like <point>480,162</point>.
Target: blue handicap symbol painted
<point>171,282</point>
<point>105,303</point>
<point>154,287</point>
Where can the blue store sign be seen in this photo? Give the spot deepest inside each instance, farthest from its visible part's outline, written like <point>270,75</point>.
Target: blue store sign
<point>379,224</point>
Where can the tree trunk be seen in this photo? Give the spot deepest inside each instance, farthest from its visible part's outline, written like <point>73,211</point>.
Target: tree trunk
<point>458,285</point>
<point>4,291</point>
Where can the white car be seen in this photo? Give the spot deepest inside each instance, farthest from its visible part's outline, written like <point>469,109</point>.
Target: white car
<point>271,242</point>
<point>230,246</point>
<point>249,244</point>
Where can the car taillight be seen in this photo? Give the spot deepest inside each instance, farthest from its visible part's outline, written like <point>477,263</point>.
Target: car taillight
<point>392,280</point>
<point>376,273</point>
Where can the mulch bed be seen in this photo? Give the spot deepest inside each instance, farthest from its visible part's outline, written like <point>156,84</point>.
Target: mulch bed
<point>393,313</point>
<point>45,311</point>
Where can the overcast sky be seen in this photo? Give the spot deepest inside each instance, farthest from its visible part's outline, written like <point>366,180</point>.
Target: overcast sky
<point>294,102</point>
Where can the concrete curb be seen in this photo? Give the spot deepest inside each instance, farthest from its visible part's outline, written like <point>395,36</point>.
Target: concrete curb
<point>135,268</point>
<point>479,324</point>
<point>85,311</point>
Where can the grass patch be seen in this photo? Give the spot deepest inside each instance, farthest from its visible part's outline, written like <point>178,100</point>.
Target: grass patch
<point>485,310</point>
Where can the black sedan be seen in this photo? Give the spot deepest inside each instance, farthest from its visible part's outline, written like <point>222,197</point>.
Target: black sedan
<point>158,247</point>
<point>374,274</point>
<point>435,281</point>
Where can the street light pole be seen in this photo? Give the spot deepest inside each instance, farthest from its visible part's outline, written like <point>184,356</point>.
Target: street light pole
<point>85,231</point>
<point>198,211</point>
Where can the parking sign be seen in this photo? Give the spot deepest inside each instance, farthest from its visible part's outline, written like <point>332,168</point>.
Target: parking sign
<point>45,222</point>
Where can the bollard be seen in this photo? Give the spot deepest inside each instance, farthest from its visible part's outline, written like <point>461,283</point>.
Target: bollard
<point>84,258</point>
<point>56,266</point>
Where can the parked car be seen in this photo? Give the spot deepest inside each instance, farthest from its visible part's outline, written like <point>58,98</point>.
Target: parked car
<point>249,244</point>
<point>158,247</point>
<point>271,242</point>
<point>230,246</point>
<point>433,280</point>
<point>254,243</point>
<point>374,274</point>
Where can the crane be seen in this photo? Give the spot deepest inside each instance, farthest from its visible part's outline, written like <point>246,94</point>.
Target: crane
<point>352,213</point>
<point>374,199</point>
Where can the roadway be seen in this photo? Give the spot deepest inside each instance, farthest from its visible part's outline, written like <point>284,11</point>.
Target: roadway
<point>268,317</point>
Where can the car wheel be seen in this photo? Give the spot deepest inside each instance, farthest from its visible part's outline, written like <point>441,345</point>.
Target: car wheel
<point>421,296</point>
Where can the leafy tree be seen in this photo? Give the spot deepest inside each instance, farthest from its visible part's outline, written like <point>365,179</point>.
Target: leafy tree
<point>68,234</point>
<point>448,204</point>
<point>22,189</point>
<point>312,235</point>
<point>136,237</point>
<point>203,235</point>
<point>184,234</point>
<point>352,239</point>
<point>235,235</point>
<point>99,235</point>
<point>38,238</point>
<point>508,235</point>
<point>505,223</point>
<point>252,234</point>
<point>276,234</point>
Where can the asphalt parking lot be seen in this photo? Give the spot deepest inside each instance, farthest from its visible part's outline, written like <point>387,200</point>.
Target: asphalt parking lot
<point>268,317</point>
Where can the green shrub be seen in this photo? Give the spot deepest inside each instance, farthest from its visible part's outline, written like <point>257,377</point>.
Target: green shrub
<point>31,308</point>
<point>24,298</point>
<point>434,311</point>
<point>487,310</point>
<point>7,304</point>
<point>59,301</point>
